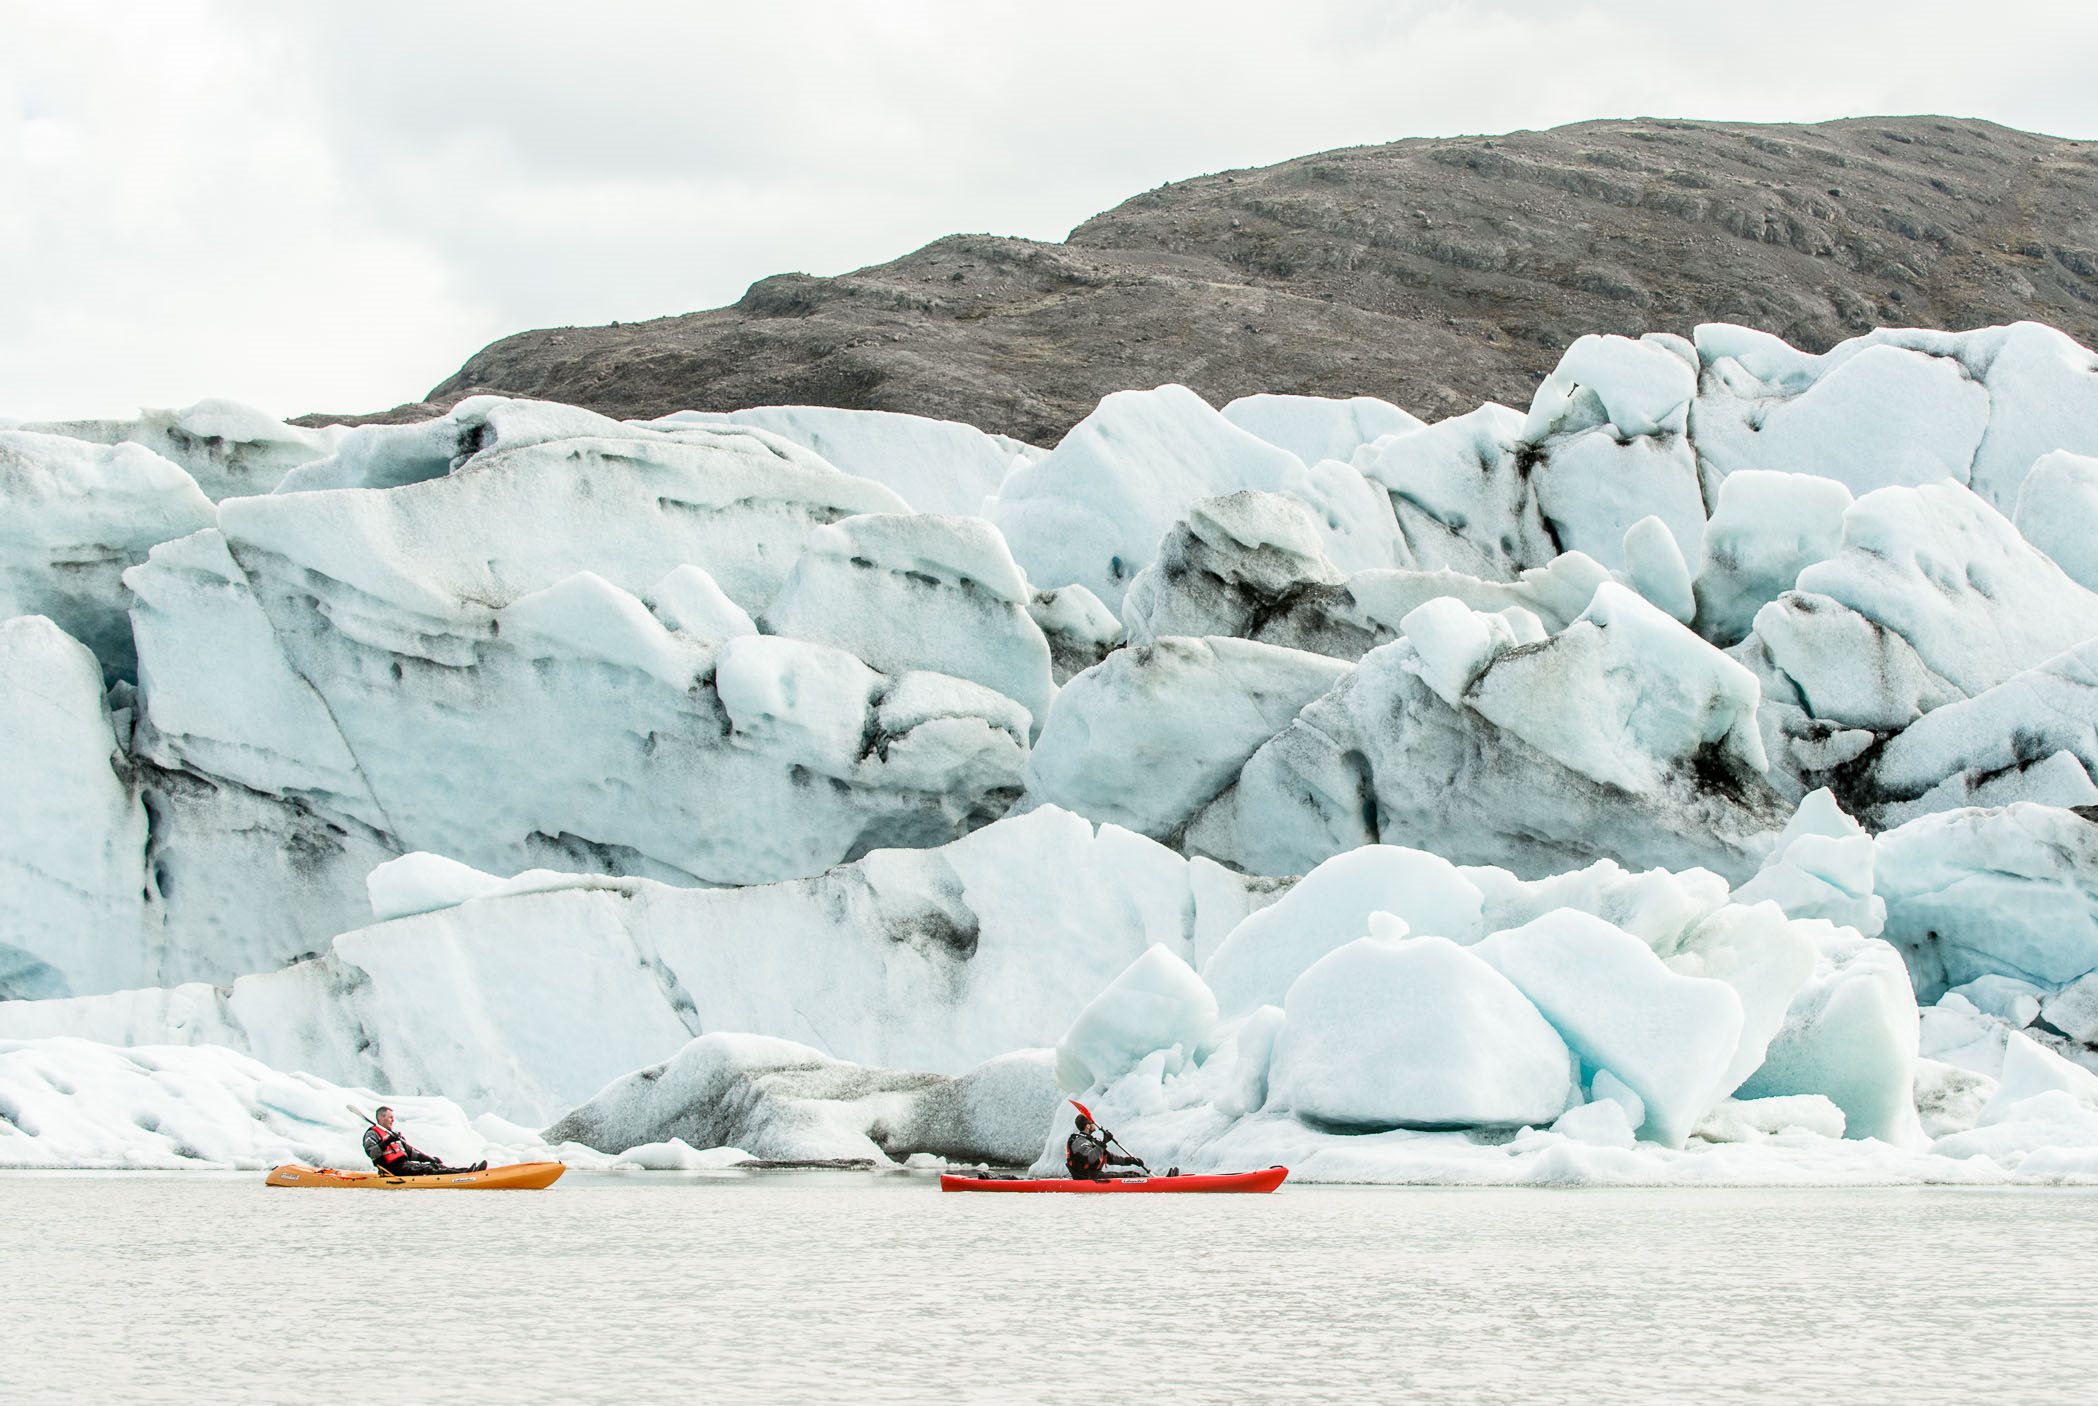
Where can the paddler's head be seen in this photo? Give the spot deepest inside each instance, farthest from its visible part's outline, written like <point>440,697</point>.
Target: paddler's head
<point>384,1115</point>
<point>1085,1124</point>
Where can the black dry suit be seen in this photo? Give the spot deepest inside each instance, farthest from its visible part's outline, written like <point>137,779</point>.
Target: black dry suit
<point>1087,1159</point>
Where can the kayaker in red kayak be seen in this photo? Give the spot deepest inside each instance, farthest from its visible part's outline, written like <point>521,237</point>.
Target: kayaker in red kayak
<point>1087,1155</point>
<point>391,1154</point>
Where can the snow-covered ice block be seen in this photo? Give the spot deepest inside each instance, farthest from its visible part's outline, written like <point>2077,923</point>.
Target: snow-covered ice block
<point>1152,734</point>
<point>919,592</point>
<point>1081,631</point>
<point>1765,529</point>
<point>1869,416</point>
<point>2030,1070</point>
<point>1670,1038</point>
<point>1331,907</point>
<point>73,516</point>
<point>1522,774</point>
<point>2073,1010</point>
<point>1754,1119</point>
<point>73,835</point>
<point>1605,444</point>
<point>2057,503</point>
<point>2004,997</point>
<point>1155,1003</point>
<point>1315,428</point>
<point>691,602</point>
<point>1093,511</point>
<point>1851,1034</point>
<point>77,1103</point>
<point>936,466</point>
<point>229,449</point>
<point>1462,499</point>
<point>2032,737</point>
<point>1763,956</point>
<point>1416,1033</point>
<point>2005,892</point>
<point>1941,568</point>
<point>1821,867</point>
<point>780,1101</point>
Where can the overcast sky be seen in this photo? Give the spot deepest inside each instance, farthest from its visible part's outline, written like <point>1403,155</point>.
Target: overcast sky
<point>329,207</point>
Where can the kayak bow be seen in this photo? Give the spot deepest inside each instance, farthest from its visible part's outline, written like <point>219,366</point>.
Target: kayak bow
<point>1266,1180</point>
<point>519,1176</point>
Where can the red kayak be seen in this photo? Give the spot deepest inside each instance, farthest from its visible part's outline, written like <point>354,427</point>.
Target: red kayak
<point>1266,1180</point>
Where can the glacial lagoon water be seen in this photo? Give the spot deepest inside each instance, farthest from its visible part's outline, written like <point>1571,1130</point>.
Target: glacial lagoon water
<point>826,1286</point>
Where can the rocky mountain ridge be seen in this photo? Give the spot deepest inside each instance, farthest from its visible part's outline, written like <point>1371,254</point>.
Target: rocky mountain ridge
<point>1434,273</point>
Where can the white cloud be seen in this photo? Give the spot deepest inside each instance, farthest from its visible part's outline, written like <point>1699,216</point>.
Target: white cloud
<point>331,206</point>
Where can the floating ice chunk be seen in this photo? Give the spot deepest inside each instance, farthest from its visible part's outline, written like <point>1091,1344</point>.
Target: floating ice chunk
<point>1157,1003</point>
<point>2031,1070</point>
<point>781,1101</point>
<point>919,592</point>
<point>689,601</point>
<point>1315,428</point>
<point>1753,1119</point>
<point>2009,892</point>
<point>1416,1034</point>
<point>1669,1038</point>
<point>1154,732</point>
<point>1766,528</point>
<point>1332,906</point>
<point>677,1156</point>
<point>1851,1034</point>
<point>2057,504</point>
<point>73,516</point>
<point>1603,1123</point>
<point>1949,1099</point>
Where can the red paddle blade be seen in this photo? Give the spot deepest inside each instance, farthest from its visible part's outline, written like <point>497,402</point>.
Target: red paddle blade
<point>1086,1111</point>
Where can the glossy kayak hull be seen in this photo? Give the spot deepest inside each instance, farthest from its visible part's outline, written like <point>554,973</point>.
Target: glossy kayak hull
<point>520,1176</point>
<point>1265,1180</point>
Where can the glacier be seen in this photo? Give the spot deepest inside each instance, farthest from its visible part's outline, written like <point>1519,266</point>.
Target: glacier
<point>1687,778</point>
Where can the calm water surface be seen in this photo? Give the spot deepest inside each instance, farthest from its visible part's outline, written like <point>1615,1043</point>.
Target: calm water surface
<point>843,1287</point>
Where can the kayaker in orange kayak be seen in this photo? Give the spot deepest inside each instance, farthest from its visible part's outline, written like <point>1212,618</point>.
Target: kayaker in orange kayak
<point>1087,1155</point>
<point>391,1154</point>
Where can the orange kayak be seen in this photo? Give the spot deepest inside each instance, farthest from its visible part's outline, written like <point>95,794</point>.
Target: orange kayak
<point>1266,1180</point>
<point>519,1176</point>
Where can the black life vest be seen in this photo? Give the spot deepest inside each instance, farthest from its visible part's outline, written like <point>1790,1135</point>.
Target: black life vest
<point>1084,1156</point>
<point>384,1146</point>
